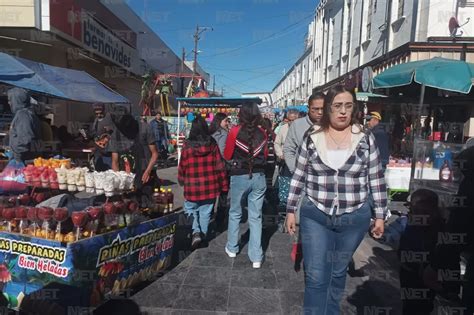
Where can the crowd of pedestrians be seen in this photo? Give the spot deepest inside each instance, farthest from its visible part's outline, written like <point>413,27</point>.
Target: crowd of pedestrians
<point>329,170</point>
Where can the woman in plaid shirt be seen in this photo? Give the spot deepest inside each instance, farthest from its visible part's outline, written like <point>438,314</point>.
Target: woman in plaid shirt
<point>202,172</point>
<point>338,167</point>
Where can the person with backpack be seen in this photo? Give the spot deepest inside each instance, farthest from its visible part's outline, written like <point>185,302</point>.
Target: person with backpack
<point>201,171</point>
<point>246,149</point>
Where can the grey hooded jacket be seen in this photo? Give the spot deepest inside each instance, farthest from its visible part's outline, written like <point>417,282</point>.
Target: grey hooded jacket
<point>221,137</point>
<point>25,131</point>
<point>294,139</point>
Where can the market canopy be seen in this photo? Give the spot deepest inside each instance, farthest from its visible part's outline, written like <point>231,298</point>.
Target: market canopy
<point>364,96</point>
<point>55,81</point>
<point>219,101</point>
<point>440,73</point>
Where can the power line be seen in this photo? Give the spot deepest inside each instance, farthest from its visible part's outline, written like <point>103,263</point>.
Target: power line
<point>249,69</point>
<point>271,36</point>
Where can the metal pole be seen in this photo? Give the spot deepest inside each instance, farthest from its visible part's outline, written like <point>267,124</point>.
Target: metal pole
<point>214,84</point>
<point>182,71</point>
<point>416,134</point>
<point>178,130</point>
<point>196,39</point>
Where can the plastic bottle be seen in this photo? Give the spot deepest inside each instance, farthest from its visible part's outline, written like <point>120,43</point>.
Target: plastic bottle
<point>163,199</point>
<point>170,200</point>
<point>156,199</point>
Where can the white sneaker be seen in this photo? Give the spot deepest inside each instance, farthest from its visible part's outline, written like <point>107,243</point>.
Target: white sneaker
<point>229,253</point>
<point>257,265</point>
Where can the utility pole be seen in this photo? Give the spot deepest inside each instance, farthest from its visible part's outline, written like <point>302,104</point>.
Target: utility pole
<point>183,57</point>
<point>214,84</point>
<point>199,31</point>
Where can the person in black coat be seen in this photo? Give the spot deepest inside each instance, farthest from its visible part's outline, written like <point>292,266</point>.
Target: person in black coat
<point>381,136</point>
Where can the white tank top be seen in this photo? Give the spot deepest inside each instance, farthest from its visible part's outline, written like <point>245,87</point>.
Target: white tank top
<point>337,158</point>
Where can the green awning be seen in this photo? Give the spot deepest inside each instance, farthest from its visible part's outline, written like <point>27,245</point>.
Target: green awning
<point>440,73</point>
<point>364,96</point>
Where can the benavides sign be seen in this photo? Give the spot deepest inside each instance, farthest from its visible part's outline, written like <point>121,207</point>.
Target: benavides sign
<point>102,42</point>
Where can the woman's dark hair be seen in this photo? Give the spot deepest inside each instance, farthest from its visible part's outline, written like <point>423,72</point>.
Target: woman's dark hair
<point>249,119</point>
<point>267,125</point>
<point>128,126</point>
<point>199,129</point>
<point>216,122</point>
<point>329,98</point>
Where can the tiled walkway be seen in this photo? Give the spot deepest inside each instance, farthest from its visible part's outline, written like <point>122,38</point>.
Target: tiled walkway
<point>209,282</point>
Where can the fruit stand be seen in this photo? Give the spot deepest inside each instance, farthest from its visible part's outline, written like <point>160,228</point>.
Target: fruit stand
<point>105,248</point>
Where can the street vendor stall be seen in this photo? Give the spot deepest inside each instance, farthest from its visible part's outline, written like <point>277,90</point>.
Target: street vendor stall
<point>61,223</point>
<point>82,229</point>
<point>207,107</point>
<point>59,83</point>
<point>445,99</point>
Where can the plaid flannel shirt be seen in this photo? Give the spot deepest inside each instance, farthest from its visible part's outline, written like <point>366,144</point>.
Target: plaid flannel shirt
<point>202,172</point>
<point>344,190</point>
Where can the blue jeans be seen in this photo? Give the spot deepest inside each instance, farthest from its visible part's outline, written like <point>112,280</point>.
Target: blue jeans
<point>256,187</point>
<point>328,245</point>
<point>201,211</point>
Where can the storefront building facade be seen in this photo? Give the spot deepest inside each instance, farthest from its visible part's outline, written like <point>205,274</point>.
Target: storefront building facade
<point>103,39</point>
<point>296,85</point>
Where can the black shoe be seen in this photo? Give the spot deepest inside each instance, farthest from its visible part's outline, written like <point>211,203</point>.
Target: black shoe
<point>196,240</point>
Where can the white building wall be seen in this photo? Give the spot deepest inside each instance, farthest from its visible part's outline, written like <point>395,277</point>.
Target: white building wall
<point>343,42</point>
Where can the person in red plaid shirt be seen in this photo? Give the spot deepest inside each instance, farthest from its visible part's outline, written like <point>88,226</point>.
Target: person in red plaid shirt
<point>202,172</point>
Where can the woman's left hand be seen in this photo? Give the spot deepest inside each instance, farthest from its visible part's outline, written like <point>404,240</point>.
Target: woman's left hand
<point>378,228</point>
<point>145,177</point>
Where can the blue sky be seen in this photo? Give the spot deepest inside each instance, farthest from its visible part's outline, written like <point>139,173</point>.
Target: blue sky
<point>253,41</point>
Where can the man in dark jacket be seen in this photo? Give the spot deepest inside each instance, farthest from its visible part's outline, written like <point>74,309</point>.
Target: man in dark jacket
<point>381,136</point>
<point>25,131</point>
<point>162,134</point>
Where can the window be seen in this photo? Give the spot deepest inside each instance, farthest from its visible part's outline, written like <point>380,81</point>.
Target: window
<point>349,26</point>
<point>401,5</point>
<point>369,21</point>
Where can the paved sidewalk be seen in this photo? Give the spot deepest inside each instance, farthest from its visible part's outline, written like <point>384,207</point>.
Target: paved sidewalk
<point>209,282</point>
<point>206,281</point>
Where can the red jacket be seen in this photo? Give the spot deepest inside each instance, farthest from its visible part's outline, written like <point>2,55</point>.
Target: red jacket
<point>202,171</point>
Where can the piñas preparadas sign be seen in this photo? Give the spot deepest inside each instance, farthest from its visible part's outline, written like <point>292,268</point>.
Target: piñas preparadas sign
<point>155,240</point>
<point>34,256</point>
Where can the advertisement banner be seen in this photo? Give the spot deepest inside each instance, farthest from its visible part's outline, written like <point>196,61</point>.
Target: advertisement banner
<point>107,264</point>
<point>97,39</point>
